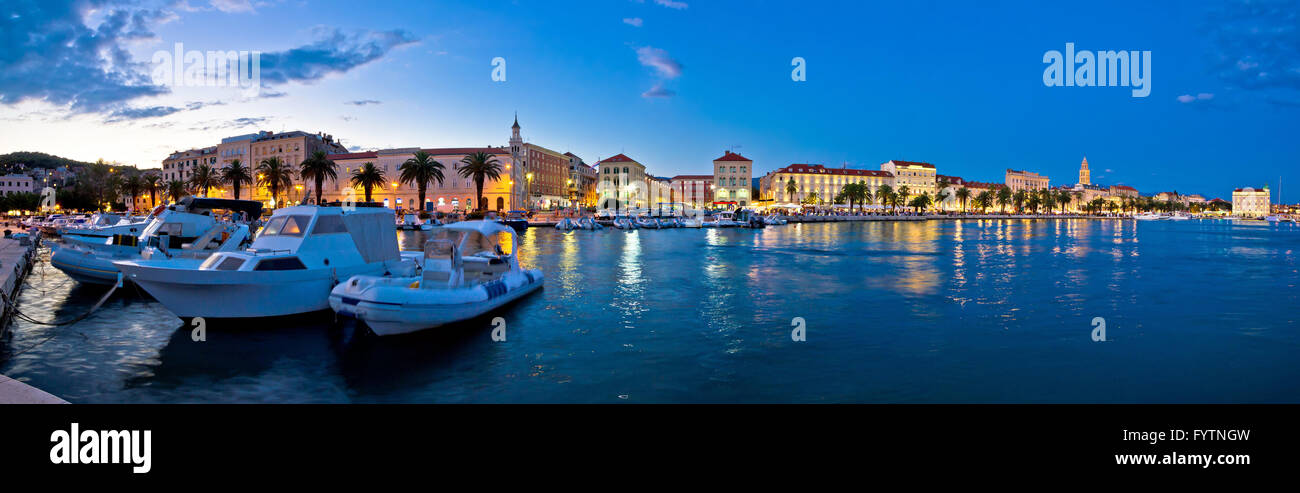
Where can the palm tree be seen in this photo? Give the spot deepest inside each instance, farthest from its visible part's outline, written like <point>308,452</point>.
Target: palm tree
<point>941,196</point>
<point>235,175</point>
<point>203,178</point>
<point>1004,198</point>
<point>318,167</point>
<point>151,185</point>
<point>984,200</point>
<point>480,166</point>
<point>790,189</point>
<point>176,189</point>
<point>368,177</point>
<point>864,195</point>
<point>848,194</point>
<point>274,174</point>
<point>1021,199</point>
<point>921,202</point>
<point>963,195</point>
<point>884,194</point>
<point>421,170</point>
<point>1064,197</point>
<point>903,193</point>
<point>131,186</point>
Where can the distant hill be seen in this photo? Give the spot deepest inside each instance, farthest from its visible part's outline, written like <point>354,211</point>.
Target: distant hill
<point>37,160</point>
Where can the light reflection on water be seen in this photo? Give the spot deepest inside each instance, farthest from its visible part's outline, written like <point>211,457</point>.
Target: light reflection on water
<point>940,311</point>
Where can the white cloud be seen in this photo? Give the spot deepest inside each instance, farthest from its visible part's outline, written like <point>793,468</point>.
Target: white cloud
<point>632,21</point>
<point>232,6</point>
<point>658,91</point>
<point>672,4</point>
<point>1188,98</point>
<point>659,60</point>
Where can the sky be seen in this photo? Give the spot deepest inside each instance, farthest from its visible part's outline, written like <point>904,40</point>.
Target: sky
<point>674,84</point>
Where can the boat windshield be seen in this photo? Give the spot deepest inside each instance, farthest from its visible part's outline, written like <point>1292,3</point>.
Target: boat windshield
<point>295,225</point>
<point>478,244</point>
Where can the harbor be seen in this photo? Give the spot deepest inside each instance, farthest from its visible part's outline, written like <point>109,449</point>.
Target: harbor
<point>972,310</point>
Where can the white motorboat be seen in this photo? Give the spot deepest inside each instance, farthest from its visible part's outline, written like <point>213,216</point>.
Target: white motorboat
<point>1180,216</point>
<point>469,269</point>
<point>647,223</point>
<point>774,220</point>
<point>1273,218</point>
<point>624,222</point>
<point>185,230</point>
<point>691,222</point>
<point>102,226</point>
<point>720,220</point>
<point>412,222</point>
<point>566,224</point>
<point>300,254</point>
<point>1150,216</point>
<point>589,223</point>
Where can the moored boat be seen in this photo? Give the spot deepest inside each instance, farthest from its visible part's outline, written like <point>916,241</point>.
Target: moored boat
<point>469,269</point>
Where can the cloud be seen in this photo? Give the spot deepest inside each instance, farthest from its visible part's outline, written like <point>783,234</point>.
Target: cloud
<point>1255,46</point>
<point>234,124</point>
<point>232,6</point>
<point>128,114</point>
<point>672,4</point>
<point>48,53</point>
<point>363,102</point>
<point>658,91</point>
<point>632,21</point>
<point>333,52</point>
<point>1188,98</point>
<point>659,60</point>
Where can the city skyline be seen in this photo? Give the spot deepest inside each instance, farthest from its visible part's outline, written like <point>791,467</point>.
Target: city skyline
<point>675,85</point>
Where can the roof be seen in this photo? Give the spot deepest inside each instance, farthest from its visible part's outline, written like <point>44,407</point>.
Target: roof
<point>691,177</point>
<point>820,169</point>
<point>620,158</point>
<point>442,151</point>
<point>910,163</point>
<point>354,155</point>
<point>731,156</point>
<point>1252,189</point>
<point>1124,187</point>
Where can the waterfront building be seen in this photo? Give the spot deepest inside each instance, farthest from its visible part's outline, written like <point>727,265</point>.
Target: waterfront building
<point>1085,175</point>
<point>454,193</point>
<point>660,191</point>
<point>1024,180</point>
<point>693,190</point>
<point>1251,202</point>
<point>291,147</point>
<point>917,177</point>
<point>817,183</point>
<point>13,184</point>
<point>582,182</point>
<point>954,183</point>
<point>1122,191</point>
<point>545,172</point>
<point>732,175</point>
<point>622,183</point>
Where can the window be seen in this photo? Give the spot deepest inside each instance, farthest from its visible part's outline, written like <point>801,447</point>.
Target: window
<point>328,225</point>
<point>281,263</point>
<point>286,226</point>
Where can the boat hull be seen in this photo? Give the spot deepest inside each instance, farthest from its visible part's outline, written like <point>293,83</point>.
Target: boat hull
<point>394,308</point>
<point>189,292</point>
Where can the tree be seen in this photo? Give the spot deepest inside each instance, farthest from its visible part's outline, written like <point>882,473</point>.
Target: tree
<point>1064,197</point>
<point>318,167</point>
<point>963,195</point>
<point>864,194</point>
<point>903,193</point>
<point>151,185</point>
<point>984,200</point>
<point>1021,199</point>
<point>274,174</point>
<point>132,186</point>
<point>790,189</point>
<point>885,194</point>
<point>1004,198</point>
<point>921,202</point>
<point>176,189</point>
<point>235,175</point>
<point>368,177</point>
<point>480,166</point>
<point>204,178</point>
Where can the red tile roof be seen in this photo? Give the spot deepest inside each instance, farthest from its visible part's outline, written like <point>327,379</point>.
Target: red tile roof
<point>619,159</point>
<point>731,156</point>
<point>911,163</point>
<point>820,169</point>
<point>1125,187</point>
<point>443,151</point>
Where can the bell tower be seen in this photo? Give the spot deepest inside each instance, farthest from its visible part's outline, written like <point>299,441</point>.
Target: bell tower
<point>1085,176</point>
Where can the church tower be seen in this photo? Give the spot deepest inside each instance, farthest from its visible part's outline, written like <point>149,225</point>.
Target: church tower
<point>517,192</point>
<point>1085,176</point>
<point>516,142</point>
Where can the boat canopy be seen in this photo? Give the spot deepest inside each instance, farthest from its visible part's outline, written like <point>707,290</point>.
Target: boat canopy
<point>475,237</point>
<point>251,207</point>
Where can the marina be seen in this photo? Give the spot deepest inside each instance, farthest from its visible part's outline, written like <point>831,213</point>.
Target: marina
<point>970,310</point>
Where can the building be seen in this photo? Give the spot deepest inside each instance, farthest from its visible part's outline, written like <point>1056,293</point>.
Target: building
<point>1085,175</point>
<point>1251,202</point>
<point>1025,180</point>
<point>622,184</point>
<point>13,184</point>
<point>732,175</point>
<point>1122,191</point>
<point>582,182</point>
<point>545,172</point>
<point>453,193</point>
<point>918,177</point>
<point>693,190</point>
<point>251,149</point>
<point>817,183</point>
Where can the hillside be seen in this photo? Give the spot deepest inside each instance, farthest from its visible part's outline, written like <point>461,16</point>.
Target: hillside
<point>37,160</point>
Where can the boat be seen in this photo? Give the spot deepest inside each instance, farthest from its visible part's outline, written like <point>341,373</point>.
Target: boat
<point>290,268</point>
<point>774,220</point>
<point>624,222</point>
<point>691,222</point>
<point>1180,216</point>
<point>185,230</point>
<point>469,269</point>
<point>590,224</point>
<point>1273,218</point>
<point>1150,216</point>
<point>566,224</point>
<point>746,218</point>
<point>104,225</point>
<point>720,220</point>
<point>647,223</point>
<point>516,219</point>
<point>412,222</point>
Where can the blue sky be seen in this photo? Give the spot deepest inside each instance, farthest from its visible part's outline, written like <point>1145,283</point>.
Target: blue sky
<point>674,83</point>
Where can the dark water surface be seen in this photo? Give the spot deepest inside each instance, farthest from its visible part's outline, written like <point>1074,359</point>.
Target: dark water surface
<point>937,311</point>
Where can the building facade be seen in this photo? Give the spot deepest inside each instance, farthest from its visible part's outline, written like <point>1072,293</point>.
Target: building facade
<point>453,194</point>
<point>732,175</point>
<point>1085,175</point>
<point>918,177</point>
<point>622,184</point>
<point>693,190</point>
<point>817,183</point>
<point>13,184</point>
<point>1024,180</point>
<point>582,182</point>
<point>1251,202</point>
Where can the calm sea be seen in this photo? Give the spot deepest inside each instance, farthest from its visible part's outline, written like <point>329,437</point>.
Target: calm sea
<point>938,311</point>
